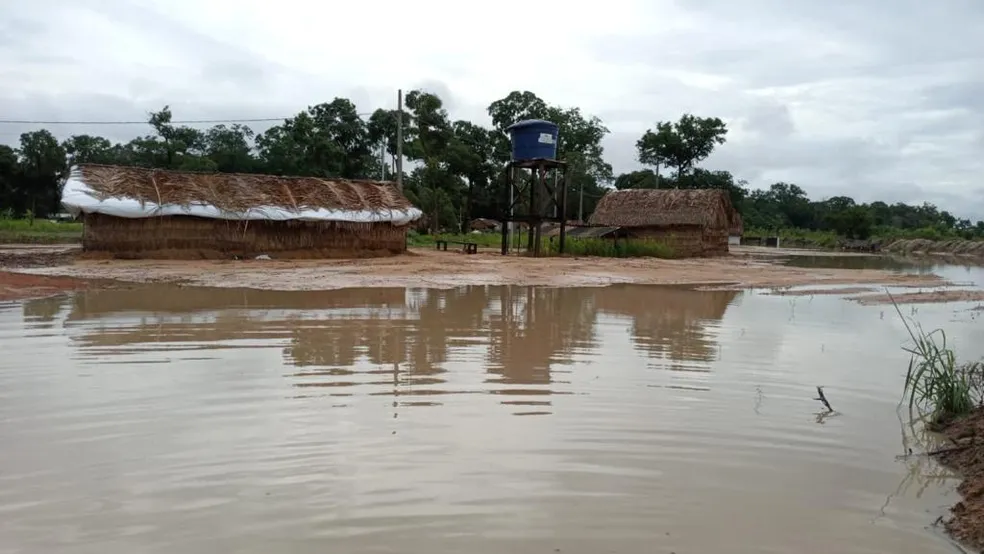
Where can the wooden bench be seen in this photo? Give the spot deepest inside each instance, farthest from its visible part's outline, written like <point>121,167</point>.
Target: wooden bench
<point>469,247</point>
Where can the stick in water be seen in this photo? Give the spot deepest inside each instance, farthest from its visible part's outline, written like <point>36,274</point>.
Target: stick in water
<point>823,399</point>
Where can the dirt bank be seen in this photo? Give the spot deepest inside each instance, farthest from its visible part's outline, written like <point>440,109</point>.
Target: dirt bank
<point>29,255</point>
<point>822,292</point>
<point>966,456</point>
<point>429,268</point>
<point>19,286</point>
<point>923,297</point>
<point>954,247</point>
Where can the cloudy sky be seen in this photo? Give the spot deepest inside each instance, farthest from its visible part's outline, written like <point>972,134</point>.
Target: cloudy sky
<point>877,99</point>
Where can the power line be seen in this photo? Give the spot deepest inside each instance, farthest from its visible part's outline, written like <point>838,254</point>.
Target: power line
<point>177,122</point>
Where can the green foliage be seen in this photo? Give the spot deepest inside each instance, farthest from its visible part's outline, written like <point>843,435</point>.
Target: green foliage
<point>681,145</point>
<point>936,386</point>
<point>573,246</point>
<point>455,169</point>
<point>25,231</point>
<point>606,248</point>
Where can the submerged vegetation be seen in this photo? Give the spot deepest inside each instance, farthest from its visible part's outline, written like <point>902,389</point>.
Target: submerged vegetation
<point>937,387</point>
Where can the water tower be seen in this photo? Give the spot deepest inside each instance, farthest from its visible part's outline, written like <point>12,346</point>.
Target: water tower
<point>536,183</point>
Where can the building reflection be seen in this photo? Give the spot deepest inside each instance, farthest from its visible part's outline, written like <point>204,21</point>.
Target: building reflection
<point>672,324</point>
<point>400,342</point>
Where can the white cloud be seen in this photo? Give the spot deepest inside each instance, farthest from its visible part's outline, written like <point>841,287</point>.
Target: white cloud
<point>878,99</point>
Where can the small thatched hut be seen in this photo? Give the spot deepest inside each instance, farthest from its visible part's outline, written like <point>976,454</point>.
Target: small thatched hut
<point>139,212</point>
<point>691,222</point>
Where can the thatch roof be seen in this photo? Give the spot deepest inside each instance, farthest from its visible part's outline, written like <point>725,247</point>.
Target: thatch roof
<point>737,225</point>
<point>141,192</point>
<point>659,207</point>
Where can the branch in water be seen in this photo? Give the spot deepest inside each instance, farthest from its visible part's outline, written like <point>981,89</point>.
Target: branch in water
<point>823,398</point>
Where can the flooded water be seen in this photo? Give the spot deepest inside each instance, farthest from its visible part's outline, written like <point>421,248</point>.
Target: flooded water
<point>483,419</point>
<point>969,273</point>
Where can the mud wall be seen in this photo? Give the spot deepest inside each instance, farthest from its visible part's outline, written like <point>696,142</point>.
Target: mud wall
<point>687,241</point>
<point>195,237</point>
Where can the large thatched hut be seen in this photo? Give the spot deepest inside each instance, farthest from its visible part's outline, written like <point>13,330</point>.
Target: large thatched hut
<point>139,212</point>
<point>691,222</point>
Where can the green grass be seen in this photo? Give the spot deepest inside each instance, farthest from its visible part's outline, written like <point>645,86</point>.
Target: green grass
<point>40,231</point>
<point>574,247</point>
<point>798,237</point>
<point>487,240</point>
<point>605,248</point>
<point>936,386</point>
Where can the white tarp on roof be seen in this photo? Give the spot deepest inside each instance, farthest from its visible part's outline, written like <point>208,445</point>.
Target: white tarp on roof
<point>78,197</point>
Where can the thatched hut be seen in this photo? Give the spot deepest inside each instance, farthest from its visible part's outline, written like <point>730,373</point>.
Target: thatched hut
<point>139,212</point>
<point>692,222</point>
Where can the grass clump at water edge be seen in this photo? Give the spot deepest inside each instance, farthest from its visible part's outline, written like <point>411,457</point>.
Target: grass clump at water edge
<point>936,386</point>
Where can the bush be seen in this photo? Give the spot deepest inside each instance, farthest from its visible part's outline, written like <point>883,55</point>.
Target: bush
<point>937,386</point>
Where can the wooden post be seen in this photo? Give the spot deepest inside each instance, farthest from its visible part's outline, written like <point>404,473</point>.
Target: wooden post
<point>399,139</point>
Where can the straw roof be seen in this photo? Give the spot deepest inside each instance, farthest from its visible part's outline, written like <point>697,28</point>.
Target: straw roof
<point>658,207</point>
<point>737,225</point>
<point>239,192</point>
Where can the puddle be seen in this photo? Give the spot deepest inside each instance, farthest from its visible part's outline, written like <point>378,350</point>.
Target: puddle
<point>481,419</point>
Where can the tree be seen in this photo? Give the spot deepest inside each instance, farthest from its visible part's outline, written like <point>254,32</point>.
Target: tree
<point>642,179</point>
<point>681,145</point>
<point>326,140</point>
<point>42,163</point>
<point>430,139</point>
<point>10,180</point>
<point>459,164</point>
<point>83,149</point>
<point>230,148</point>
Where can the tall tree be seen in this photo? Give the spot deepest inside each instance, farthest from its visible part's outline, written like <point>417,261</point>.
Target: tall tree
<point>230,148</point>
<point>89,149</point>
<point>681,145</point>
<point>43,164</point>
<point>327,140</point>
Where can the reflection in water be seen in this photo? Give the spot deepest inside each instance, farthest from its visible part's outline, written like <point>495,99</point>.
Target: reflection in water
<point>880,262</point>
<point>346,340</point>
<point>158,419</point>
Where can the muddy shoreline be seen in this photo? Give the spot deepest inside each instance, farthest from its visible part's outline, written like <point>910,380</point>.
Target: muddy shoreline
<point>432,269</point>
<point>965,455</point>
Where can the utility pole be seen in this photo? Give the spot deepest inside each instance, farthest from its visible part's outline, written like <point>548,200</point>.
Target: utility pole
<point>399,139</point>
<point>382,160</point>
<point>580,203</point>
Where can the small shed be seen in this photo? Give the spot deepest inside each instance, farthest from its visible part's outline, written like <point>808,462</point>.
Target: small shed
<point>140,212</point>
<point>483,224</point>
<point>693,222</point>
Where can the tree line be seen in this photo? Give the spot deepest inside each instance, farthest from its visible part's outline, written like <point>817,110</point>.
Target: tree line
<point>456,169</point>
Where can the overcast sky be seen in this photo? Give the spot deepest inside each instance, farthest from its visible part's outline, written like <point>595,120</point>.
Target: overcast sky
<point>876,99</point>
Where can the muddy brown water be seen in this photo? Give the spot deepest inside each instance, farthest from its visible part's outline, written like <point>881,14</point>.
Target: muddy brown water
<point>481,419</point>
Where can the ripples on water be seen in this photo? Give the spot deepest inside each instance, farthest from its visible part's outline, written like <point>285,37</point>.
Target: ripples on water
<point>619,419</point>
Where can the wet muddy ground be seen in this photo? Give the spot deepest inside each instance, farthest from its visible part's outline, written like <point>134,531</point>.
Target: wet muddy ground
<point>964,452</point>
<point>749,267</point>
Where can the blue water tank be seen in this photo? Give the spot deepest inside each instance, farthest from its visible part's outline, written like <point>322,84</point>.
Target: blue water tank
<point>533,138</point>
